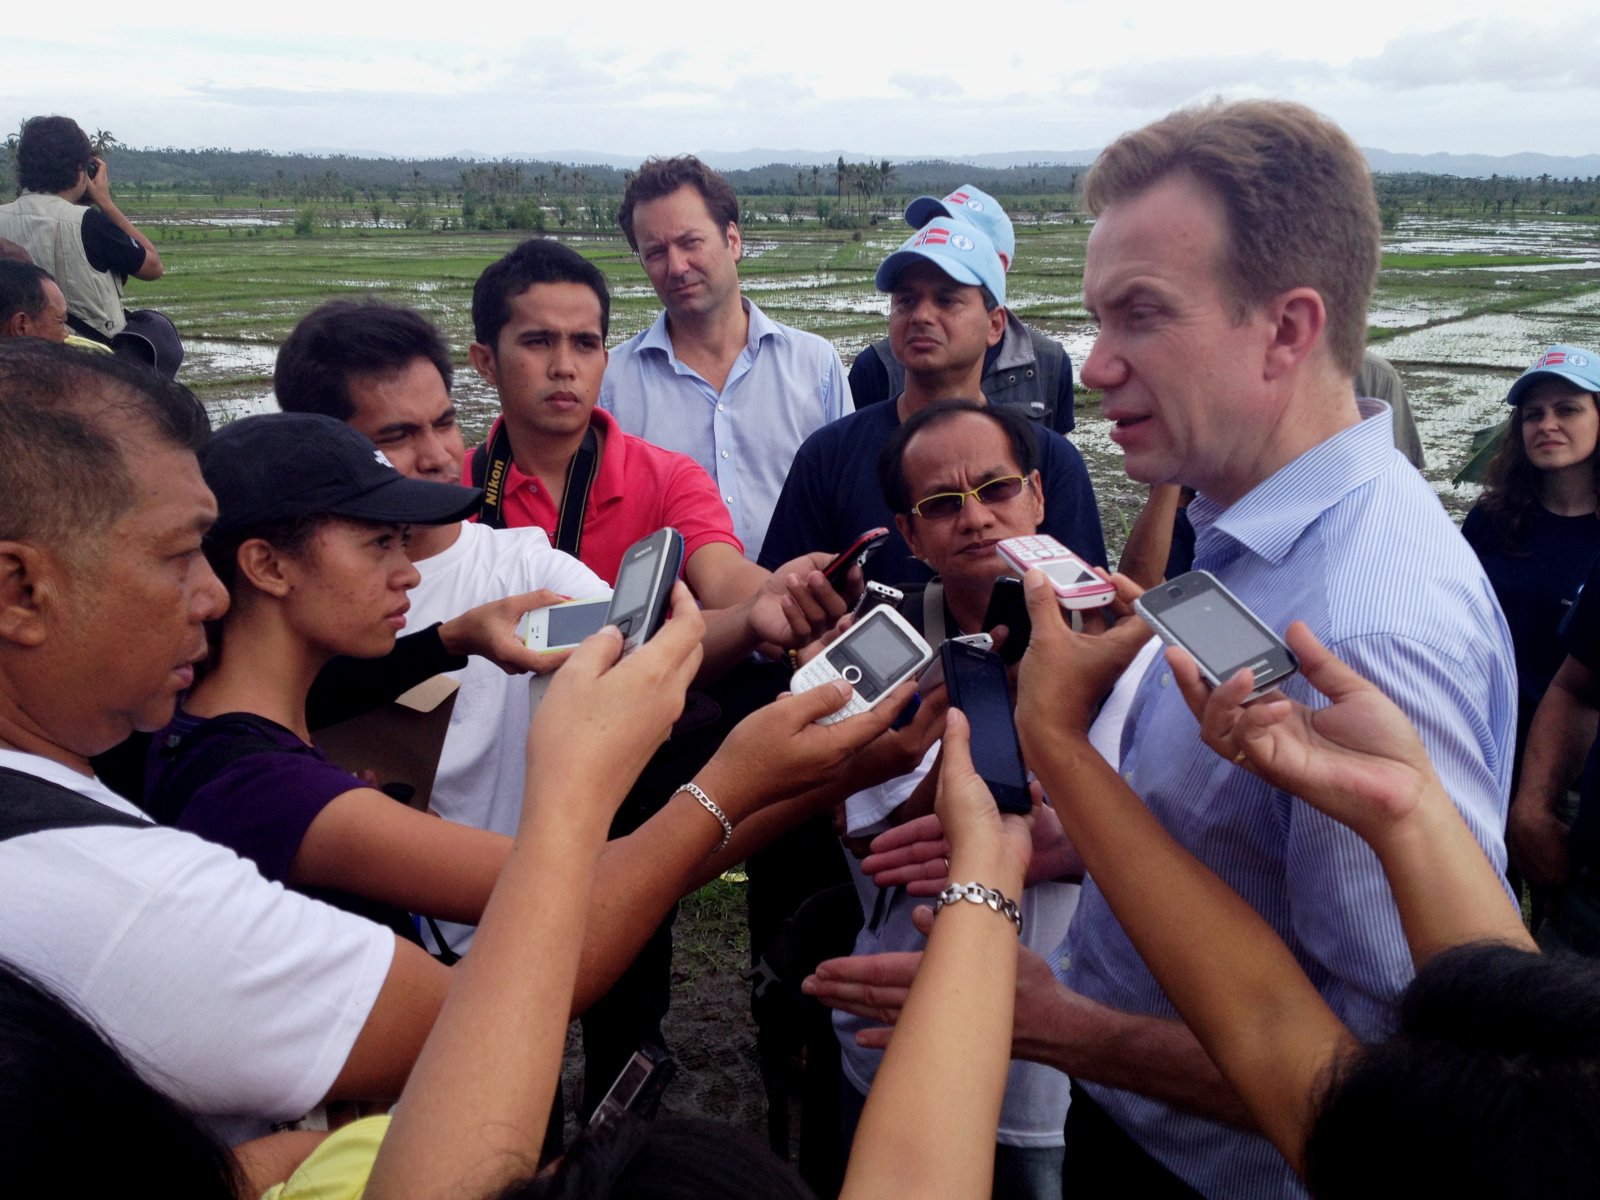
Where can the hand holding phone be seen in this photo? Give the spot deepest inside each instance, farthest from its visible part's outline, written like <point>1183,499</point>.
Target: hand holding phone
<point>1073,579</point>
<point>855,556</point>
<point>644,584</point>
<point>1195,612</point>
<point>874,656</point>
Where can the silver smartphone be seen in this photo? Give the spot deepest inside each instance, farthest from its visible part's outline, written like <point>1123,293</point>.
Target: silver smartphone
<point>644,585</point>
<point>1196,612</point>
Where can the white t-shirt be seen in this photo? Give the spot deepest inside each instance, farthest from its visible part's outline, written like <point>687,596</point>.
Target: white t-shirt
<point>1034,1109</point>
<point>485,755</point>
<point>239,999</point>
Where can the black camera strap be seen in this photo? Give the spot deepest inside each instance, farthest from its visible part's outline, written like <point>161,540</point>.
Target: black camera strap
<point>491,463</point>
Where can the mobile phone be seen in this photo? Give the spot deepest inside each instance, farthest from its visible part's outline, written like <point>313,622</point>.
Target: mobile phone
<point>874,594</point>
<point>1196,612</point>
<point>1008,606</point>
<point>644,584</point>
<point>874,656</point>
<point>1075,583</point>
<point>979,688</point>
<point>92,168</point>
<point>933,674</point>
<point>856,556</point>
<point>562,626</point>
<point>638,1087</point>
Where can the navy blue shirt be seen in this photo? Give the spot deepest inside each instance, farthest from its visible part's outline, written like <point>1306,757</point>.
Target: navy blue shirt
<point>1536,586</point>
<point>1580,637</point>
<point>832,496</point>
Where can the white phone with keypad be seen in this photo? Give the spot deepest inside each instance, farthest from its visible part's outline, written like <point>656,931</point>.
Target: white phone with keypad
<point>874,656</point>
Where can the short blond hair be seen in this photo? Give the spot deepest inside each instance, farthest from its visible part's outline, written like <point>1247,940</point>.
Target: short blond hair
<point>1297,191</point>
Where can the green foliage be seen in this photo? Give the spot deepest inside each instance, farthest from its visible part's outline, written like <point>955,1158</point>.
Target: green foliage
<point>1486,444</point>
<point>305,222</point>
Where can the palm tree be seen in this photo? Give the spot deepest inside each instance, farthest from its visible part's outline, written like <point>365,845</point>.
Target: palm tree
<point>103,142</point>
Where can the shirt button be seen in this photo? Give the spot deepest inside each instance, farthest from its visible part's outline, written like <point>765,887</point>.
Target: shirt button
<point>722,407</point>
<point>729,499</point>
<point>724,454</point>
<point>1166,680</point>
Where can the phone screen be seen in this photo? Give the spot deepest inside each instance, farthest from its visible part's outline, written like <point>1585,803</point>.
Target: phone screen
<point>1069,574</point>
<point>880,653</point>
<point>978,687</point>
<point>571,623</point>
<point>1216,632</point>
<point>633,583</point>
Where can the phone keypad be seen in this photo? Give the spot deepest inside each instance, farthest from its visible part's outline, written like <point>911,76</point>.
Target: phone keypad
<point>1033,548</point>
<point>853,707</point>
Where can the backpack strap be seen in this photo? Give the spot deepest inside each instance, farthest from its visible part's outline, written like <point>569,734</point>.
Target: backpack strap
<point>194,759</point>
<point>29,804</point>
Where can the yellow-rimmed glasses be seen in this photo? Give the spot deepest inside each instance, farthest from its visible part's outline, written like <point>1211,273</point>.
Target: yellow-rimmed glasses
<point>943,505</point>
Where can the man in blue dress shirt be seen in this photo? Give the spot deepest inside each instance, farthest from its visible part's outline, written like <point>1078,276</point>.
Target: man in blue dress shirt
<point>715,378</point>
<point>1229,269</point>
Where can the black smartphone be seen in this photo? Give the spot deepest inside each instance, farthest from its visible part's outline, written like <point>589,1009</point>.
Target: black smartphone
<point>856,556</point>
<point>978,687</point>
<point>1196,612</point>
<point>1008,606</point>
<point>644,585</point>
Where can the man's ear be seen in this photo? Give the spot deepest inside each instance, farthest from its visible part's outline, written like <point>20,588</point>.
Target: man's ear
<point>261,565</point>
<point>31,585</point>
<point>907,528</point>
<point>1299,319</point>
<point>482,359</point>
<point>16,325</point>
<point>997,324</point>
<point>735,241</point>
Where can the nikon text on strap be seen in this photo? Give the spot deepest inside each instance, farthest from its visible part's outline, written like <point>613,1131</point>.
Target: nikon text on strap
<point>491,464</point>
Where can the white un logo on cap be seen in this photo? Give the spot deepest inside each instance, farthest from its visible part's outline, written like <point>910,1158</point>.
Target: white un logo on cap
<point>975,205</point>
<point>1577,360</point>
<point>961,242</point>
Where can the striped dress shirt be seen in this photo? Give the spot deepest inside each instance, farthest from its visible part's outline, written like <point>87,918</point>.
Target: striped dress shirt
<point>1350,539</point>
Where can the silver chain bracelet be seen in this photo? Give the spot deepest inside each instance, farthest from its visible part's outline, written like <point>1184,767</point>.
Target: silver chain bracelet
<point>710,805</point>
<point>976,893</point>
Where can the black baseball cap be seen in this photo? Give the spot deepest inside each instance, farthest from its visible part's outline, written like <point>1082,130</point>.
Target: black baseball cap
<point>279,466</point>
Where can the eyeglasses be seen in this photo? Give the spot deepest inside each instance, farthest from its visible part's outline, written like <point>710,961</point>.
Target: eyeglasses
<point>944,505</point>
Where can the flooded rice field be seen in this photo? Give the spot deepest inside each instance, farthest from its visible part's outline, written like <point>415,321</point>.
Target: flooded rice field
<point>1461,306</point>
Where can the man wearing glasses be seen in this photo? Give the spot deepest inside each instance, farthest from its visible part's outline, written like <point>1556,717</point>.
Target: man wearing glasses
<point>947,294</point>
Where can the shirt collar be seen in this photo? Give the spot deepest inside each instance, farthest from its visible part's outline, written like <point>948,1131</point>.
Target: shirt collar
<point>611,477</point>
<point>1270,518</point>
<point>657,338</point>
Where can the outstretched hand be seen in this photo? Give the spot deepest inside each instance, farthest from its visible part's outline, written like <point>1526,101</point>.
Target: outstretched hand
<point>605,715</point>
<point>490,631</point>
<point>1065,675</point>
<point>1359,759</point>
<point>779,751</point>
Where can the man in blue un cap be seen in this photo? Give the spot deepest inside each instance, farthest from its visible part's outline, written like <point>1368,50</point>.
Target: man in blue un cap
<point>947,289</point>
<point>1026,367</point>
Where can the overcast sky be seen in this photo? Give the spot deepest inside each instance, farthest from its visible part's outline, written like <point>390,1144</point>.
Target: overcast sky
<point>625,77</point>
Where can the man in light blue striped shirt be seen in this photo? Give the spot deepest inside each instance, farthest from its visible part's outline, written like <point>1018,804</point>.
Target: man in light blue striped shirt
<point>1229,268</point>
<point>714,377</point>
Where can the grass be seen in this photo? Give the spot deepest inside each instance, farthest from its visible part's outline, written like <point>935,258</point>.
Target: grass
<point>1433,262</point>
<point>710,936</point>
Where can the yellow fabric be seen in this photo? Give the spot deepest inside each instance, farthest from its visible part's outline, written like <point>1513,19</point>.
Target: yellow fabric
<point>83,343</point>
<point>337,1169</point>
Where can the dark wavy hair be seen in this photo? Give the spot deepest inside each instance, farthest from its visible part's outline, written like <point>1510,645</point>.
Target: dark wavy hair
<point>674,1158</point>
<point>77,1120</point>
<point>1489,1087</point>
<point>50,153</point>
<point>1512,486</point>
<point>660,177</point>
<point>344,340</point>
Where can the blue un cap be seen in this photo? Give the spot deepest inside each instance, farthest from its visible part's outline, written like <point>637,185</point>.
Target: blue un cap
<point>1577,366</point>
<point>962,251</point>
<point>968,203</point>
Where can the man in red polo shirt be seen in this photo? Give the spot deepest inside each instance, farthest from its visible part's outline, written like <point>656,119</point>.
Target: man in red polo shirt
<point>540,316</point>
